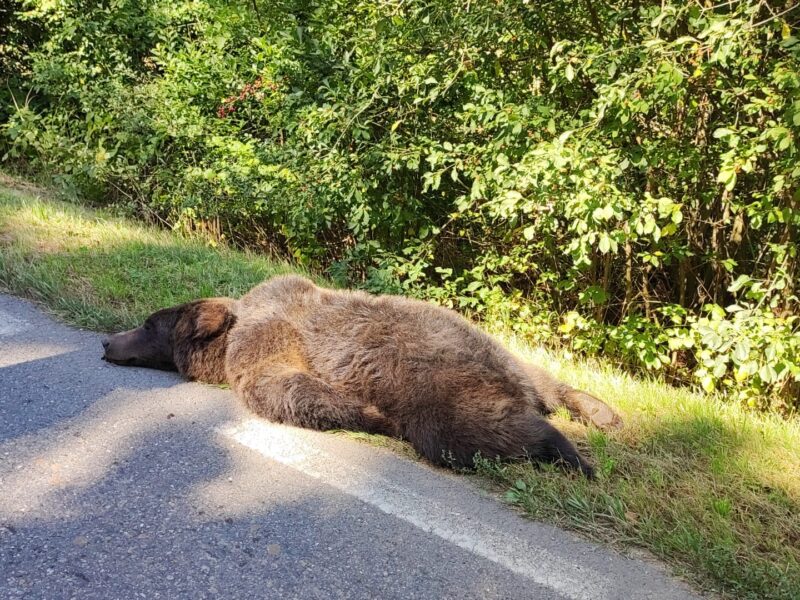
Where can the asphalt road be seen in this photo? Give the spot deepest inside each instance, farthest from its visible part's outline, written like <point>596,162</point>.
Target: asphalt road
<point>129,483</point>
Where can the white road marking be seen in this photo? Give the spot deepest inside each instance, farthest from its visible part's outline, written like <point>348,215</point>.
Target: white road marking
<point>515,553</point>
<point>11,325</point>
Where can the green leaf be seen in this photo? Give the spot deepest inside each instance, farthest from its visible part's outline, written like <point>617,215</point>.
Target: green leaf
<point>605,243</point>
<point>767,374</point>
<point>740,282</point>
<point>728,177</point>
<point>720,369</point>
<point>474,285</point>
<point>770,353</point>
<point>477,188</point>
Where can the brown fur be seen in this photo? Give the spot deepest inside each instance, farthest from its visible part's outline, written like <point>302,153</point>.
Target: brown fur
<point>318,358</point>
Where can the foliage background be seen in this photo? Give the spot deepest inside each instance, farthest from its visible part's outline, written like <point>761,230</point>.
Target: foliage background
<point>620,177</point>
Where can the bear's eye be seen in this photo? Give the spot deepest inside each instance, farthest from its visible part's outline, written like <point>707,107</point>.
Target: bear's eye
<point>148,325</point>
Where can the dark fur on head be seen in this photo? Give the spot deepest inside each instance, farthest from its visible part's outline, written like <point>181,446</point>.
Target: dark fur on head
<point>190,338</point>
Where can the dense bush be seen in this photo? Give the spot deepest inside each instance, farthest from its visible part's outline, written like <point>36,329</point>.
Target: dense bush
<point>618,176</point>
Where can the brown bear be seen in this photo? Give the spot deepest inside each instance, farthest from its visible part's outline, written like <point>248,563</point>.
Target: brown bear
<point>312,357</point>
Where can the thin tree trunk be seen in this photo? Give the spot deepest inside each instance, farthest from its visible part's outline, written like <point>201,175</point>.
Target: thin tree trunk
<point>627,305</point>
<point>646,291</point>
<point>600,309</point>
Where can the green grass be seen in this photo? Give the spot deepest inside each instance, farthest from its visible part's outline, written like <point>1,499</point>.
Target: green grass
<point>712,489</point>
<point>101,272</point>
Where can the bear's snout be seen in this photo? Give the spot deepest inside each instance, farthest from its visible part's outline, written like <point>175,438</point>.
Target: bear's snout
<point>118,349</point>
<point>145,346</point>
<point>106,345</point>
<point>108,351</point>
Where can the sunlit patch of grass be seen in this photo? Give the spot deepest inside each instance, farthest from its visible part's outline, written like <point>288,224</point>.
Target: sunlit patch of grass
<point>102,272</point>
<point>712,489</point>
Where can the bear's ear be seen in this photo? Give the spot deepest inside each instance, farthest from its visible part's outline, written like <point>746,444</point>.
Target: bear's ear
<point>212,319</point>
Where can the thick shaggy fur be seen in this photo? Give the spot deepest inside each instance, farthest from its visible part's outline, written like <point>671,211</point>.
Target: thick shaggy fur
<point>313,357</point>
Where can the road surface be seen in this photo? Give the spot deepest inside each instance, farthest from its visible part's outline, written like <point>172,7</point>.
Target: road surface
<point>130,483</point>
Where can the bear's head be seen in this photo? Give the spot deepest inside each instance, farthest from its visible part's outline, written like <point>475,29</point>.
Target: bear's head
<point>190,338</point>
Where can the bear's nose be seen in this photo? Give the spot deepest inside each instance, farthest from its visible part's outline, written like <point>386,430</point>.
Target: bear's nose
<point>106,344</point>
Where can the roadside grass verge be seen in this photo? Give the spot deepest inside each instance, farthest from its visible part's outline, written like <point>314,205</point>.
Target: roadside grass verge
<point>712,489</point>
<point>102,272</point>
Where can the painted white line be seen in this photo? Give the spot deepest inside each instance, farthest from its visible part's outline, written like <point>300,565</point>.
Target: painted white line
<point>396,498</point>
<point>11,325</point>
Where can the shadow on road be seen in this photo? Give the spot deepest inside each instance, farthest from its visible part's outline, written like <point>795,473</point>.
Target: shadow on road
<point>37,393</point>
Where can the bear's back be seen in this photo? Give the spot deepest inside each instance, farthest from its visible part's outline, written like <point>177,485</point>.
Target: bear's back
<point>380,345</point>
<point>280,297</point>
<point>391,347</point>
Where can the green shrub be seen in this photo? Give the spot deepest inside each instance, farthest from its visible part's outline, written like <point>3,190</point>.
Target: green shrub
<point>618,176</point>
